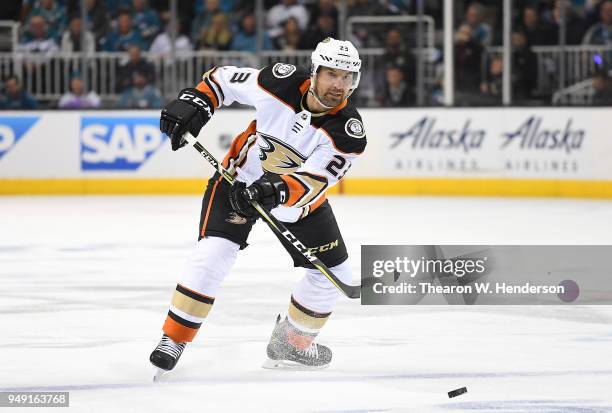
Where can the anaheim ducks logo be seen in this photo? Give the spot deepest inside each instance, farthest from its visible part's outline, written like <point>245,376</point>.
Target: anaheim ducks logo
<point>354,128</point>
<point>234,218</point>
<point>283,70</point>
<point>277,156</point>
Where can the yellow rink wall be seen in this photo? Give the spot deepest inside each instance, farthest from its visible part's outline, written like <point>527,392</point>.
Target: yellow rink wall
<point>457,187</point>
<point>542,152</point>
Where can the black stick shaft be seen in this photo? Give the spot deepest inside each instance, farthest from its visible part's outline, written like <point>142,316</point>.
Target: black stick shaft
<point>351,291</point>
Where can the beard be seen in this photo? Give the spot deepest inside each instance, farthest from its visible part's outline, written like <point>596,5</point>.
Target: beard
<point>329,99</point>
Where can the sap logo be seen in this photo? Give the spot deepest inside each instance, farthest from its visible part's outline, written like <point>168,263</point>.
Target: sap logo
<point>12,129</point>
<point>118,143</point>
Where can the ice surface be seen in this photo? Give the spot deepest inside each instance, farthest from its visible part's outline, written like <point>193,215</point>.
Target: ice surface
<point>85,283</point>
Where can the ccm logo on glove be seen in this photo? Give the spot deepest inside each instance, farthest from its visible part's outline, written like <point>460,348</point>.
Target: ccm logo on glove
<point>190,97</point>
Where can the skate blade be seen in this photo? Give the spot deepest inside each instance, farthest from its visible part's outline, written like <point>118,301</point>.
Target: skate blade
<point>290,365</point>
<point>160,375</point>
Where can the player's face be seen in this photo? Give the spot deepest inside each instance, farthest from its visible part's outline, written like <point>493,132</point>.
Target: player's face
<point>332,85</point>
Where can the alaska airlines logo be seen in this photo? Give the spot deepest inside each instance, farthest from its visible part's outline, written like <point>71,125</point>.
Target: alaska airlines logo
<point>277,156</point>
<point>424,134</point>
<point>12,129</point>
<point>532,135</point>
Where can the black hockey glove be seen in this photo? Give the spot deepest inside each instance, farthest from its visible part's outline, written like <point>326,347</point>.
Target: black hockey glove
<point>269,190</point>
<point>190,112</point>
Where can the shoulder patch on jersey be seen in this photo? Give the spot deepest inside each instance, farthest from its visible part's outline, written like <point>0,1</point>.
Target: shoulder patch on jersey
<point>283,81</point>
<point>283,70</point>
<point>345,129</point>
<point>354,128</point>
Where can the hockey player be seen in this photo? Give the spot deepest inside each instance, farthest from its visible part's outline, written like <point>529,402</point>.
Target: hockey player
<point>305,136</point>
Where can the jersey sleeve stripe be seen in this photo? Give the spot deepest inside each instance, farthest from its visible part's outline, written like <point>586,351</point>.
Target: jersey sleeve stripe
<point>239,148</point>
<point>214,89</point>
<point>317,203</point>
<point>211,76</point>
<point>316,185</point>
<point>204,88</point>
<point>314,176</point>
<point>297,189</point>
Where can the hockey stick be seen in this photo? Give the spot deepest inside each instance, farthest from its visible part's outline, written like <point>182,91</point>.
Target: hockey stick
<point>351,291</point>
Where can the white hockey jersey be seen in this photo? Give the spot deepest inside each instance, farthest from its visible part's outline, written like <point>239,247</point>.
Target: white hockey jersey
<point>311,152</point>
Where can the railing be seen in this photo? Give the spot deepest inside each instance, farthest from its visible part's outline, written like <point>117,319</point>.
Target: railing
<point>8,35</point>
<point>581,62</point>
<point>581,93</point>
<point>47,77</point>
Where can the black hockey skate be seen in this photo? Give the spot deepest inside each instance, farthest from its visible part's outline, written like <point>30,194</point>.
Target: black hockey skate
<point>284,355</point>
<point>166,355</point>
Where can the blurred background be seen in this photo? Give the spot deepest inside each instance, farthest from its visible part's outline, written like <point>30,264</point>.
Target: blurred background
<point>458,97</point>
<point>74,54</point>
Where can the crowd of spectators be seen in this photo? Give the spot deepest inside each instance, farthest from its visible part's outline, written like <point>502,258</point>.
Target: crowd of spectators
<point>204,24</point>
<point>478,74</point>
<point>136,26</point>
<point>77,97</point>
<point>15,96</point>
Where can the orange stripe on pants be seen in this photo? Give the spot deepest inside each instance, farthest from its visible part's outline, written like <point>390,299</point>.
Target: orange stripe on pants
<point>208,208</point>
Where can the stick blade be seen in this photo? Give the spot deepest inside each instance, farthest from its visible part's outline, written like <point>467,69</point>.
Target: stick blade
<point>353,292</point>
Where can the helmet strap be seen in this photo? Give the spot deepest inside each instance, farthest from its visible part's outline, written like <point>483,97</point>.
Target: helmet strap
<point>314,95</point>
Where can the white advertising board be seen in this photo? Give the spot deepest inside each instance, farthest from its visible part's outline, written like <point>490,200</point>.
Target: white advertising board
<point>538,143</point>
<point>545,144</point>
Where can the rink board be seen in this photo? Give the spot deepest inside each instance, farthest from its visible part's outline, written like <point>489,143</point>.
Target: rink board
<point>476,151</point>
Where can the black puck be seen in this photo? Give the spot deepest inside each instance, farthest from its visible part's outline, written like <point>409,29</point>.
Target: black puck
<point>457,392</point>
